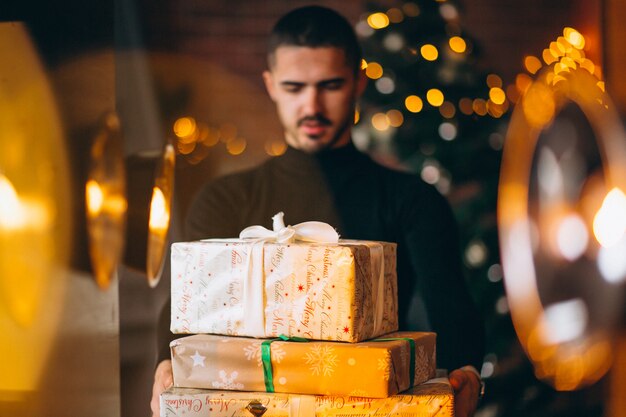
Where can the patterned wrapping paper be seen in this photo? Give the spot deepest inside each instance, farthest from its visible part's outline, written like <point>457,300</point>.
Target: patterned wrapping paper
<point>368,369</point>
<point>431,399</point>
<point>312,290</point>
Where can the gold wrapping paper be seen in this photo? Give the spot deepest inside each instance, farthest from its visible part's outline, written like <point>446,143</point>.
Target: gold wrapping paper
<point>431,399</point>
<point>312,290</point>
<point>367,369</point>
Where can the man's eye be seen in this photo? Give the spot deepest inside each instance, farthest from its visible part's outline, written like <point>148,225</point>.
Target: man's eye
<point>292,88</point>
<point>333,86</point>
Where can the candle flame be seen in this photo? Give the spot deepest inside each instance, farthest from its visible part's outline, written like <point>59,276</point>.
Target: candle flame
<point>11,212</point>
<point>159,211</point>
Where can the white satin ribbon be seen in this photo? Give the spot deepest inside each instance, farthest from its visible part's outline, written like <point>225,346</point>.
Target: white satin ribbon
<point>253,283</point>
<point>306,232</point>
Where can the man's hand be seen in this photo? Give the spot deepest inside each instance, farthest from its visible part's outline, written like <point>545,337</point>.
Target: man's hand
<point>163,379</point>
<point>466,386</point>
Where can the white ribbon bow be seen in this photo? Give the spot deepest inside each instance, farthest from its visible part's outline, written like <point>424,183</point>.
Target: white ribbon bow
<point>318,232</point>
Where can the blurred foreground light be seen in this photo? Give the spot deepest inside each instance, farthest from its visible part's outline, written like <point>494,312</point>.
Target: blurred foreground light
<point>395,118</point>
<point>380,122</point>
<point>35,219</point>
<point>574,37</point>
<point>374,70</point>
<point>411,9</point>
<point>105,201</point>
<point>160,215</point>
<point>447,131</point>
<point>572,237</point>
<point>565,321</point>
<point>612,262</point>
<point>609,224</point>
<point>497,95</point>
<point>395,15</point>
<point>385,85</point>
<point>532,64</point>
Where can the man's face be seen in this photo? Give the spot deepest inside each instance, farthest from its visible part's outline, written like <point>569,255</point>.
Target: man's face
<point>315,92</point>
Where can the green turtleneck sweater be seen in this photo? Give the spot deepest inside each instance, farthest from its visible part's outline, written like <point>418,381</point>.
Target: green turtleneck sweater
<point>362,200</point>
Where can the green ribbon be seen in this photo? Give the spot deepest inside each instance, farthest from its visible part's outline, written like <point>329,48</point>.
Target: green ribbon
<point>266,358</point>
<point>412,360</point>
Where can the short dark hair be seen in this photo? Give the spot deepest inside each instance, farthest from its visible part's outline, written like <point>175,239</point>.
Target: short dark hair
<point>315,26</point>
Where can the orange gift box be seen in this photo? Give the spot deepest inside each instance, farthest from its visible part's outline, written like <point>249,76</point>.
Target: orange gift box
<point>376,368</point>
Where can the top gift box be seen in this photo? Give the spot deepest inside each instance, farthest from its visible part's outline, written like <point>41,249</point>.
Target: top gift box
<point>295,281</point>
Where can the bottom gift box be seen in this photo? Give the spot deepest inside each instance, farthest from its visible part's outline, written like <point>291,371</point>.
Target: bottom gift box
<point>430,399</point>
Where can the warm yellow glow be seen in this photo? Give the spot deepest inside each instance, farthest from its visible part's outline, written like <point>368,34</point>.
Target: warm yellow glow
<point>539,105</point>
<point>374,70</point>
<point>94,197</point>
<point>378,20</point>
<point>380,122</point>
<point>588,65</point>
<point>185,148</point>
<point>457,44</point>
<point>357,116</point>
<point>429,52</point>
<point>11,212</point>
<point>414,104</point>
<point>496,110</point>
<point>480,106</point>
<point>411,9</point>
<point>532,64</point>
<point>494,81</point>
<point>395,15</point>
<point>523,82</point>
<point>447,110</point>
<point>549,57</point>
<point>395,118</point>
<point>609,224</point>
<point>557,50</point>
<point>497,95</point>
<point>236,146</point>
<point>275,147</point>
<point>184,127</point>
<point>574,37</point>
<point>363,64</point>
<point>435,97</point>
<point>601,86</point>
<point>159,212</point>
<point>568,62</point>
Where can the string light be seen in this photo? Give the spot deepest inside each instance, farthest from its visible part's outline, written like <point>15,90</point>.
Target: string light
<point>411,9</point>
<point>395,118</point>
<point>429,52</point>
<point>414,104</point>
<point>380,122</point>
<point>493,81</point>
<point>378,20</point>
<point>497,95</point>
<point>395,15</point>
<point>532,64</point>
<point>447,110</point>
<point>374,70</point>
<point>457,44</point>
<point>435,97</point>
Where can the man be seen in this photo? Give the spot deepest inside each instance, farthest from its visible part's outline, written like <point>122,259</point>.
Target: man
<point>315,78</point>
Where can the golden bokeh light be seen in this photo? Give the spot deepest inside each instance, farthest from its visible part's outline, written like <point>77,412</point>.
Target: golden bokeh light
<point>457,44</point>
<point>539,105</point>
<point>357,115</point>
<point>479,106</point>
<point>497,95</point>
<point>575,38</point>
<point>411,9</point>
<point>414,104</point>
<point>395,15</point>
<point>549,57</point>
<point>93,197</point>
<point>523,82</point>
<point>275,147</point>
<point>512,93</point>
<point>532,64</point>
<point>363,64</point>
<point>429,52</point>
<point>494,81</point>
<point>564,45</point>
<point>380,122</point>
<point>447,110</point>
<point>374,70</point>
<point>435,97</point>
<point>184,127</point>
<point>378,20</point>
<point>465,105</point>
<point>236,146</point>
<point>395,118</point>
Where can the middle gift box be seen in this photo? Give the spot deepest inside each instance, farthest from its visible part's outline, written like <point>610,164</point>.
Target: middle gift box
<point>377,368</point>
<point>344,291</point>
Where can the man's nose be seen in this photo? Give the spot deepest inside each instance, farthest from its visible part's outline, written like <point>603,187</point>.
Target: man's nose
<point>312,101</point>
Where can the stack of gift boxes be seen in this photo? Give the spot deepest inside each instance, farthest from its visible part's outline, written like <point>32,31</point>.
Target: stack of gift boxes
<point>295,329</point>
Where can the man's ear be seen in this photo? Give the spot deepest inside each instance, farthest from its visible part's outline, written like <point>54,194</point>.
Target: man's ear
<point>269,84</point>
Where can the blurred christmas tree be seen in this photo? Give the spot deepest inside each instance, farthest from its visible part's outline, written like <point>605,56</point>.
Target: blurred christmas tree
<point>431,108</point>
